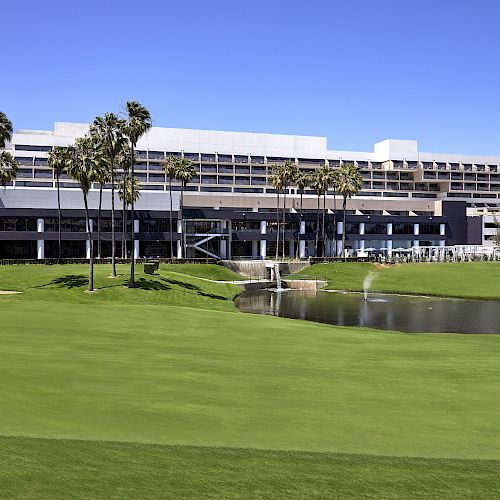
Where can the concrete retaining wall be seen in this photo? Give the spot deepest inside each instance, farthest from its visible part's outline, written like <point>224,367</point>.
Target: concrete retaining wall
<point>260,268</point>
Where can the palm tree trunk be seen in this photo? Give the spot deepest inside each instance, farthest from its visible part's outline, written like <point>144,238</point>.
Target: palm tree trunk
<point>343,226</point>
<point>99,222</point>
<point>284,223</point>
<point>59,214</point>
<point>170,219</point>
<point>278,223</point>
<point>131,282</point>
<point>183,226</point>
<point>89,238</point>
<point>335,222</point>
<point>317,227</point>
<point>323,225</point>
<point>124,226</point>
<point>113,249</point>
<point>297,253</point>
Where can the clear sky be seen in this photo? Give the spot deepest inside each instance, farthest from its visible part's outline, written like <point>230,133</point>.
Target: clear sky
<point>354,71</point>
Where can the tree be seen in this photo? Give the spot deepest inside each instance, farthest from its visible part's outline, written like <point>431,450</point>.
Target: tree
<point>317,185</point>
<point>6,130</point>
<point>8,166</point>
<point>109,131</point>
<point>496,236</point>
<point>170,166</point>
<point>301,181</point>
<point>276,180</point>
<point>289,172</point>
<point>86,167</point>
<point>328,178</point>
<point>123,162</point>
<point>128,193</point>
<point>349,184</point>
<point>59,158</point>
<point>104,177</point>
<point>137,124</point>
<point>185,172</point>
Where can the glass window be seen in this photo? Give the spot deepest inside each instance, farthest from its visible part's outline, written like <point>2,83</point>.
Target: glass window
<point>375,228</point>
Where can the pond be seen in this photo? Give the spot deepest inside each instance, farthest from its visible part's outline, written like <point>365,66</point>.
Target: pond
<point>386,312</point>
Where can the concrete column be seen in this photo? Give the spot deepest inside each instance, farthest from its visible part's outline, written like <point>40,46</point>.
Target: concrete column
<point>389,228</point>
<point>442,243</point>
<point>416,229</point>
<point>340,226</point>
<point>389,247</point>
<point>361,228</point>
<point>263,249</point>
<point>263,227</point>
<point>87,249</point>
<point>302,249</point>
<point>136,241</point>
<point>416,243</point>
<point>179,242</point>
<point>40,244</point>
<point>255,249</point>
<point>223,249</point>
<point>442,229</point>
<point>339,247</point>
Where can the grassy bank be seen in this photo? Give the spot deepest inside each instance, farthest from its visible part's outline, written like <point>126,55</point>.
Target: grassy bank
<point>167,390</point>
<point>445,279</point>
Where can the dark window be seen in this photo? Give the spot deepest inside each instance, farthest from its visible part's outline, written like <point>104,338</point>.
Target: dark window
<point>208,179</point>
<point>351,228</point>
<point>24,147</point>
<point>225,158</point>
<point>402,229</point>
<point>429,229</point>
<point>69,225</point>
<point>22,160</point>
<point>155,155</point>
<point>156,226</point>
<point>207,157</point>
<point>209,168</point>
<point>246,225</point>
<point>374,228</point>
<point>43,174</point>
<point>156,178</point>
<point>20,224</point>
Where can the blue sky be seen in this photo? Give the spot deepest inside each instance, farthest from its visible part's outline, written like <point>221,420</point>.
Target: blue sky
<point>356,72</point>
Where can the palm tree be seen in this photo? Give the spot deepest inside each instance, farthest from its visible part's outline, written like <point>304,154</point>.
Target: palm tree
<point>109,131</point>
<point>185,172</point>
<point>8,168</point>
<point>276,180</point>
<point>59,158</point>
<point>86,168</point>
<point>301,181</point>
<point>6,130</point>
<point>349,184</point>
<point>170,167</point>
<point>329,177</point>
<point>137,124</point>
<point>123,162</point>
<point>288,171</point>
<point>105,176</point>
<point>126,192</point>
<point>318,185</point>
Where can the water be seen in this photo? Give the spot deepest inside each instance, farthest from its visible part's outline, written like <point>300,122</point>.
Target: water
<point>386,312</point>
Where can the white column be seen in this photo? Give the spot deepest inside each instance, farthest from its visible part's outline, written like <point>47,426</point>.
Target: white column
<point>40,244</point>
<point>136,241</point>
<point>442,243</point>
<point>389,228</point>
<point>442,229</point>
<point>340,226</point>
<point>263,244</point>
<point>255,249</point>
<point>179,242</point>
<point>389,247</point>
<point>263,249</point>
<point>416,229</point>
<point>416,243</point>
<point>302,243</point>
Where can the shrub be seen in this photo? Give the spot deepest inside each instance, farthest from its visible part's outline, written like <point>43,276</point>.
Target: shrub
<point>149,268</point>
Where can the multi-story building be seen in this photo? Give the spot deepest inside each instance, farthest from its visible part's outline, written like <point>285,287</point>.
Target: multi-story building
<point>409,198</point>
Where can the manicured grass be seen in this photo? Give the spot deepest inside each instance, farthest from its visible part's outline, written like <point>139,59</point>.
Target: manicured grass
<point>446,279</point>
<point>42,468</point>
<point>208,395</point>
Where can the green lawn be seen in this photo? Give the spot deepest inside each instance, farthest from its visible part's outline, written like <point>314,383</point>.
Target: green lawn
<point>447,279</point>
<point>168,391</point>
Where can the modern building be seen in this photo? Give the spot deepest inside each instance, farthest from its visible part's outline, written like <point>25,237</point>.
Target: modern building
<point>408,199</point>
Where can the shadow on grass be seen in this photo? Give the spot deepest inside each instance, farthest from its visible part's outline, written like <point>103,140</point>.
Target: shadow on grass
<point>68,281</point>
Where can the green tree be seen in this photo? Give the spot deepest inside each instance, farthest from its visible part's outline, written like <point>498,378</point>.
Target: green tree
<point>6,130</point>
<point>109,131</point>
<point>277,181</point>
<point>302,180</point>
<point>318,186</point>
<point>59,159</point>
<point>8,165</point>
<point>170,166</point>
<point>289,171</point>
<point>127,192</point>
<point>349,184</point>
<point>123,162</point>
<point>86,167</point>
<point>328,177</point>
<point>185,173</point>
<point>137,124</point>
<point>104,177</point>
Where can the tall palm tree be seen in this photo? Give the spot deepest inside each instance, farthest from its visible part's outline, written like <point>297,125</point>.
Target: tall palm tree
<point>128,193</point>
<point>349,184</point>
<point>110,132</point>
<point>123,162</point>
<point>8,168</point>
<point>276,180</point>
<point>137,124</point>
<point>59,158</point>
<point>85,168</point>
<point>170,167</point>
<point>318,185</point>
<point>301,181</point>
<point>6,130</point>
<point>104,177</point>
<point>185,172</point>
<point>288,171</point>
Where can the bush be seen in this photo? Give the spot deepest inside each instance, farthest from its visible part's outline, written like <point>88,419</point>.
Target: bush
<point>149,268</point>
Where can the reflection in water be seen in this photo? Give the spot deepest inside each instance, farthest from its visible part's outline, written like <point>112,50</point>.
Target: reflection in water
<point>387,312</point>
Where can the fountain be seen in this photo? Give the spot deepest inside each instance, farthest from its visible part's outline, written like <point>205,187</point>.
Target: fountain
<point>366,283</point>
<point>277,274</point>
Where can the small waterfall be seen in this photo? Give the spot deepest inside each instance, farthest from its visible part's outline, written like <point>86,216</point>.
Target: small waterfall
<point>277,273</point>
<point>367,283</point>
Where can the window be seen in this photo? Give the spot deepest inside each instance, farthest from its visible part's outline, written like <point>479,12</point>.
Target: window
<point>209,168</point>
<point>429,228</point>
<point>70,225</point>
<point>208,179</point>
<point>156,225</point>
<point>20,224</point>
<point>402,229</point>
<point>374,228</point>
<point>246,225</point>
<point>156,178</point>
<point>25,147</point>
